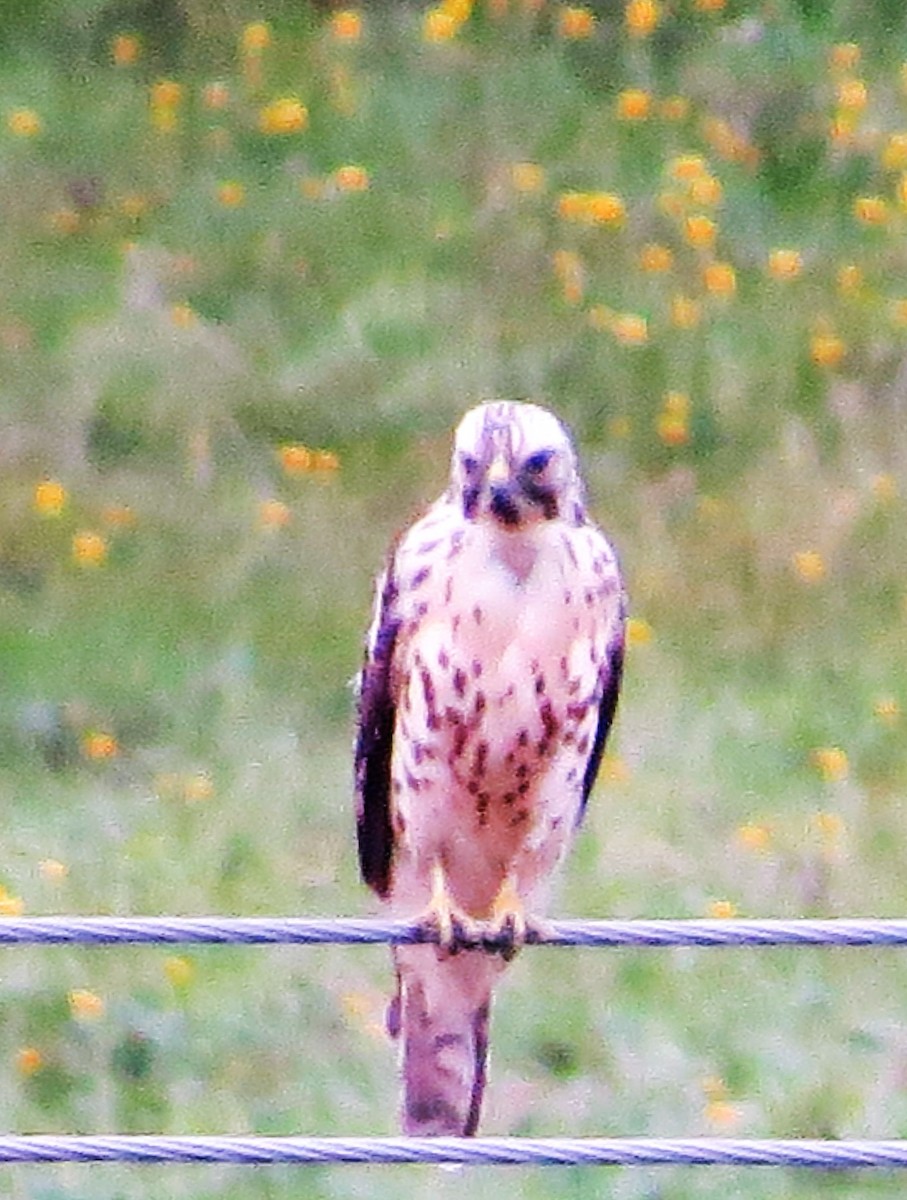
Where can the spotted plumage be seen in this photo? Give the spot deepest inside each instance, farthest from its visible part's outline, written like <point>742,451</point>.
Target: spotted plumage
<point>489,686</point>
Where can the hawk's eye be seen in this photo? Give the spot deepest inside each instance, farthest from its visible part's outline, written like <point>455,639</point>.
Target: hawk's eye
<point>469,464</point>
<point>536,463</point>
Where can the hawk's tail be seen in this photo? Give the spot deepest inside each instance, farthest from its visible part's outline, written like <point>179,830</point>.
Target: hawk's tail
<point>441,1013</point>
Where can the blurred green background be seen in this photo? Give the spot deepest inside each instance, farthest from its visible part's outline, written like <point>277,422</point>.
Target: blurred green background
<point>256,261</point>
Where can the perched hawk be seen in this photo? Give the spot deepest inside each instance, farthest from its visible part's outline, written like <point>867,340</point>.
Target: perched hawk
<point>489,686</point>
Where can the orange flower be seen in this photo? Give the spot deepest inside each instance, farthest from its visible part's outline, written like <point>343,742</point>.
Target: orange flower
<point>894,156</point>
<point>98,746</point>
<point>634,104</point>
<point>439,26</point>
<point>720,279</point>
<point>351,178</point>
<point>346,25</point>
<point>85,1005</point>
<point>256,37</point>
<point>639,632</point>
<point>575,22</point>
<point>641,17</point>
<point>655,258</point>
<point>295,459</point>
<point>849,278</point>
<point>29,1060</point>
<point>809,565</point>
<point>89,549</point>
<point>286,115</point>
<point>685,313</point>
<point>700,231</point>
<point>24,122</point>
<point>630,329</point>
<point>844,56</point>
<point>527,177</point>
<point>675,108</point>
<point>870,210</point>
<point>826,349</point>
<point>605,208</point>
<point>125,49</point>
<point>50,498</point>
<point>273,514</point>
<point>852,95</point>
<point>785,264</point>
<point>231,194</point>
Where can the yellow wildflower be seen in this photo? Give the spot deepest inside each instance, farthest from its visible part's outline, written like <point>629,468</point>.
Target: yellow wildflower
<point>98,745</point>
<point>709,6</point>
<point>125,49</point>
<point>826,349</point>
<point>50,498</point>
<point>198,787</point>
<point>852,95</point>
<point>641,17</point>
<point>273,514</point>
<point>686,168</point>
<point>599,317</point>
<point>351,178</point>
<point>89,549</point>
<point>871,210</point>
<point>887,710</point>
<point>634,104</point>
<point>675,108</point>
<point>721,910</point>
<point>52,870</point>
<point>231,194</point>
<point>639,632</point>
<point>849,278</point>
<point>10,906</point>
<point>630,329</point>
<point>215,95</point>
<point>179,970</point>
<point>85,1005</point>
<point>706,189</point>
<point>785,264</point>
<point>605,208</point>
<point>29,1060</point>
<point>809,565</point>
<point>346,25</point>
<point>754,837</point>
<point>527,177</point>
<point>615,769</point>
<point>283,116</point>
<point>884,488</point>
<point>700,231</point>
<point>295,459</point>
<point>685,312</point>
<point>673,421</point>
<point>894,156</point>
<point>256,37</point>
<point>575,22</point>
<point>831,763</point>
<point>720,279</point>
<point>844,56</point>
<point>655,258</point>
<point>439,26</point>
<point>24,122</point>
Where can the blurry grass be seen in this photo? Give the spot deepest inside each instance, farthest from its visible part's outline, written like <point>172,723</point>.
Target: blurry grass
<point>174,717</point>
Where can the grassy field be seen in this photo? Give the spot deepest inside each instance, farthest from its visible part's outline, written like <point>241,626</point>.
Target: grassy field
<point>256,261</point>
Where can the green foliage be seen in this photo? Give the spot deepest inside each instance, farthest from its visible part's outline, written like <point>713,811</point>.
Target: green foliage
<point>231,359</point>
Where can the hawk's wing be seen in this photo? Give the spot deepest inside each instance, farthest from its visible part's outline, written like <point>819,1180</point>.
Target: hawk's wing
<point>612,674</point>
<point>376,713</point>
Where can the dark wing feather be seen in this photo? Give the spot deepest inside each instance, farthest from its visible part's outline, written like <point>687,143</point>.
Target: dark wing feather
<point>613,672</point>
<point>376,714</point>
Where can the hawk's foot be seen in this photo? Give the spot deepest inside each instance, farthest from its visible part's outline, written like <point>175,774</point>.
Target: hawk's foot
<point>508,927</point>
<point>456,930</point>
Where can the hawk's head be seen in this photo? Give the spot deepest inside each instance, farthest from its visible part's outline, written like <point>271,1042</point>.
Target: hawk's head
<point>513,464</point>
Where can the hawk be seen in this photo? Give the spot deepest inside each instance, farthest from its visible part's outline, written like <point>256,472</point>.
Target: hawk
<point>490,682</point>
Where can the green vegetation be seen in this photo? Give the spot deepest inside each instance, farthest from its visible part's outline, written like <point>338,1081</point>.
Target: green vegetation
<point>253,273</point>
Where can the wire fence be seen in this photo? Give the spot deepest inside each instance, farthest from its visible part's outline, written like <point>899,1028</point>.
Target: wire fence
<point>256,931</point>
<point>483,1151</point>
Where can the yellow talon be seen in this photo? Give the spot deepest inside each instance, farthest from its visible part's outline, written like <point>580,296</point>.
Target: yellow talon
<point>508,922</point>
<point>454,927</point>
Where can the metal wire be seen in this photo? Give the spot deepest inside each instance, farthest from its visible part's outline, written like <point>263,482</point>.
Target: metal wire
<point>94,930</point>
<point>836,931</point>
<point>486,1151</point>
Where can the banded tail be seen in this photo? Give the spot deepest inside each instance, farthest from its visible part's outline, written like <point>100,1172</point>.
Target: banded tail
<point>441,1014</point>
